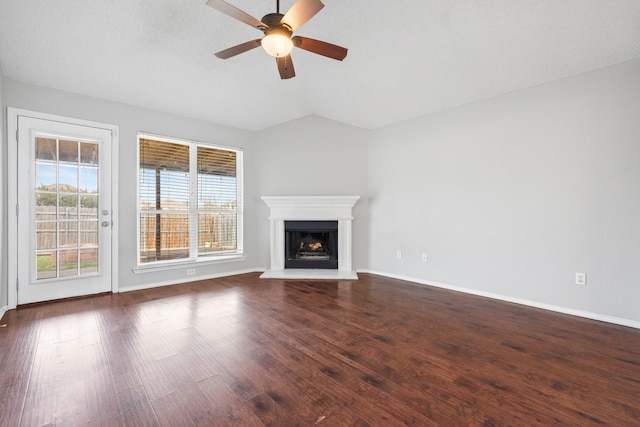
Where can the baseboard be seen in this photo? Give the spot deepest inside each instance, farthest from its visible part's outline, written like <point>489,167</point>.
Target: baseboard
<point>3,310</point>
<point>559,309</point>
<point>189,279</point>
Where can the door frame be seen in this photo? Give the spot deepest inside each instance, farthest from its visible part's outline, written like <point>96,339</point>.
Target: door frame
<point>13,114</point>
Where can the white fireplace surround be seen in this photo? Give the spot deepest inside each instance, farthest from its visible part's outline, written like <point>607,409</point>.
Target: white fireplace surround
<point>310,208</point>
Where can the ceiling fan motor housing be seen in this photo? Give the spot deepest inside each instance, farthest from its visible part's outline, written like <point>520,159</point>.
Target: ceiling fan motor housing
<point>274,21</point>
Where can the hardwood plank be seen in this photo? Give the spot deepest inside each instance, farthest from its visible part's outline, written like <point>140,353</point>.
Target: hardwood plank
<point>136,409</point>
<point>230,409</point>
<point>121,363</point>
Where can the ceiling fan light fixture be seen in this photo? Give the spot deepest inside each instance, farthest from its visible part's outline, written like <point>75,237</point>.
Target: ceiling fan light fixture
<point>277,43</point>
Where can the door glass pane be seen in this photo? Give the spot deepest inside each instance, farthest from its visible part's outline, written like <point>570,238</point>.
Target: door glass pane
<point>68,233</point>
<point>89,233</point>
<point>46,206</point>
<point>68,151</point>
<point>46,149</point>
<point>68,262</point>
<point>46,177</point>
<point>88,180</point>
<point>68,207</point>
<point>88,207</point>
<point>68,178</point>
<point>46,265</point>
<point>66,214</point>
<point>88,153</point>
<point>46,235</point>
<point>88,261</point>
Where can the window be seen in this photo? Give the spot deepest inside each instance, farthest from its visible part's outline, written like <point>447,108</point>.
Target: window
<point>189,200</point>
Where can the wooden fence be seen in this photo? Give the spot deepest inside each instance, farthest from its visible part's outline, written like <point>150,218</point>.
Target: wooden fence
<point>78,228</point>
<point>170,238</point>
<point>75,227</point>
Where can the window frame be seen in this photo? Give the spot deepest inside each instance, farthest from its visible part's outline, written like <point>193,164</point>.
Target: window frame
<point>194,256</point>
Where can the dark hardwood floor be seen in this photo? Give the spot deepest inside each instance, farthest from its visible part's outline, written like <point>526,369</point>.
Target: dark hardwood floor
<point>250,352</point>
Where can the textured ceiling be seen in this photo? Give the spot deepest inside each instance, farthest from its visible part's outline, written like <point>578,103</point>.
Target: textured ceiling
<point>406,58</point>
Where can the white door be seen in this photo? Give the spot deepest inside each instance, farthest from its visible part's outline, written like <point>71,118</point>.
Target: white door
<point>64,217</point>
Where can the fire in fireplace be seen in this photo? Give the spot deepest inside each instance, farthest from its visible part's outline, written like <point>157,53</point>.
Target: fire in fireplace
<point>311,244</point>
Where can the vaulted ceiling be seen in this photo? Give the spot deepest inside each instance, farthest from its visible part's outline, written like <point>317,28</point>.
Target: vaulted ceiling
<point>406,58</point>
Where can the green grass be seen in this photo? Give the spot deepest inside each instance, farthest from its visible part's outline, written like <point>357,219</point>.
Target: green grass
<point>45,263</point>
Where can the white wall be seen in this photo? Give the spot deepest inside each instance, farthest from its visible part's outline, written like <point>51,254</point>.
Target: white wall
<point>513,195</point>
<point>313,156</point>
<point>131,120</point>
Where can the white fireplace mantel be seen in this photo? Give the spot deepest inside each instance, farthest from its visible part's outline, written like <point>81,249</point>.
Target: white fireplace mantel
<point>310,208</point>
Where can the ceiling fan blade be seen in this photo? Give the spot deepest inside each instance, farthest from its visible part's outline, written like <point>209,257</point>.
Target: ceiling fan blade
<point>237,50</point>
<point>301,12</point>
<point>321,48</point>
<point>236,13</point>
<point>285,67</point>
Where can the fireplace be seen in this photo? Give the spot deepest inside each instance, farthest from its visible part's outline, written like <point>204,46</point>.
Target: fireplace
<point>310,237</point>
<point>311,244</point>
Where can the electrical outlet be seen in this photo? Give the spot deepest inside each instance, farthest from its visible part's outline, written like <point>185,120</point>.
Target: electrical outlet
<point>191,272</point>
<point>399,254</point>
<point>424,257</point>
<point>581,279</point>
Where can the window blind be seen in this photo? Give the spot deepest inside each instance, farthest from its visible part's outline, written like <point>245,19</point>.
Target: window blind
<point>217,200</point>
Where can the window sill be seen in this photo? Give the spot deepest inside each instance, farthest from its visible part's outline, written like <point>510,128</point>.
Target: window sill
<point>141,269</point>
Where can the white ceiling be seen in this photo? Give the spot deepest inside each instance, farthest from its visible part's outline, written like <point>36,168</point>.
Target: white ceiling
<point>406,57</point>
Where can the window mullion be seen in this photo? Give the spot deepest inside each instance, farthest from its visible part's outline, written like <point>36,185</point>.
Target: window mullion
<point>193,202</point>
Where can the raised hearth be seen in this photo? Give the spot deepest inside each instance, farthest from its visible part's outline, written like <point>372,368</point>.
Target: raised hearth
<point>310,209</point>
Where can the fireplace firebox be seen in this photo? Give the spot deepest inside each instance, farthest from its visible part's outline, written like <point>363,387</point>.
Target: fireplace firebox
<point>311,244</point>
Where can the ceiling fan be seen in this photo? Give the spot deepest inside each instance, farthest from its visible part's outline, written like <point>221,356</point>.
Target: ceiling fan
<point>278,30</point>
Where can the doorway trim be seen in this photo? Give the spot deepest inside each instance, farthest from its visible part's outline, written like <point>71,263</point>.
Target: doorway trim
<point>13,114</point>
